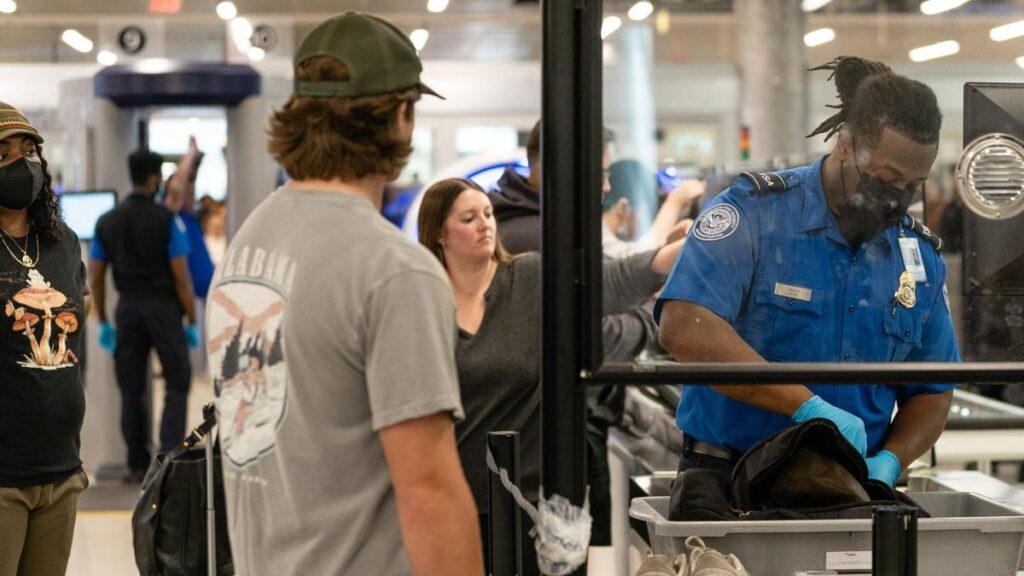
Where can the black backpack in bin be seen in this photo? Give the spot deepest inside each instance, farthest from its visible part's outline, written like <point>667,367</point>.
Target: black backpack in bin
<point>170,522</point>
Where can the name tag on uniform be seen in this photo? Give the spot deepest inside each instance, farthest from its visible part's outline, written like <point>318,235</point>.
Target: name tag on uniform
<point>912,261</point>
<point>794,292</point>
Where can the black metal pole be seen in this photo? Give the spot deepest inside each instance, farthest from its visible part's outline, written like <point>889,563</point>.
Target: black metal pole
<point>894,541</point>
<point>810,372</point>
<point>505,529</point>
<point>570,193</point>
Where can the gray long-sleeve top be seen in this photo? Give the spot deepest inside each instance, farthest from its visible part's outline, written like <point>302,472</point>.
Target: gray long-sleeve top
<point>499,365</point>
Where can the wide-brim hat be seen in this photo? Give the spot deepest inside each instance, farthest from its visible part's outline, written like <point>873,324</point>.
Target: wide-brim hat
<point>13,122</point>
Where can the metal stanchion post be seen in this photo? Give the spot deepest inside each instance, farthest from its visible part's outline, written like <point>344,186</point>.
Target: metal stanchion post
<point>211,519</point>
<point>505,531</point>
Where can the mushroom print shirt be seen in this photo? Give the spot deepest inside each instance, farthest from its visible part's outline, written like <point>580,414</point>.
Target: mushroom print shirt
<point>42,401</point>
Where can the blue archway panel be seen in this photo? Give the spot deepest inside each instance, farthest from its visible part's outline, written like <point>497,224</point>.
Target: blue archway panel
<point>176,84</point>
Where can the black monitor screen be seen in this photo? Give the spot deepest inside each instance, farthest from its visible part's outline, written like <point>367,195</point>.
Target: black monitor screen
<point>83,209</point>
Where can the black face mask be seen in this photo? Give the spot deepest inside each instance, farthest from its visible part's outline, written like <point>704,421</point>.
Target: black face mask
<point>20,184</point>
<point>874,206</point>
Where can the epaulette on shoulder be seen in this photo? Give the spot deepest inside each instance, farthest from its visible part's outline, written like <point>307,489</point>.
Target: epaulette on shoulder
<point>923,231</point>
<point>766,181</point>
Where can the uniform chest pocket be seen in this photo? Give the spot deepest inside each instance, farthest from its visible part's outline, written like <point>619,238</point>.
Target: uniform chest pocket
<point>789,313</point>
<point>902,326</point>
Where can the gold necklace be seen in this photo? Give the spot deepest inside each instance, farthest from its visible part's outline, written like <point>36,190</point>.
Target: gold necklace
<point>25,259</point>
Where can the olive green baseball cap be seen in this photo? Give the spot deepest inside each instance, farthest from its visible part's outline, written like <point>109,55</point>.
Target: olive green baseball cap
<point>380,58</point>
<point>13,122</point>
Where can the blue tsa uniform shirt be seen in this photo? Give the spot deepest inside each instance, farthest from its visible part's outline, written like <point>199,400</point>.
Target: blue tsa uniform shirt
<point>768,257</point>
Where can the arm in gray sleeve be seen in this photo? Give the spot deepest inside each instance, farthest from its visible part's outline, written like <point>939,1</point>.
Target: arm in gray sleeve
<point>625,335</point>
<point>629,281</point>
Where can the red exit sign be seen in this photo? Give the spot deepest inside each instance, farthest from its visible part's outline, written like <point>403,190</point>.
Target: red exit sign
<point>164,6</point>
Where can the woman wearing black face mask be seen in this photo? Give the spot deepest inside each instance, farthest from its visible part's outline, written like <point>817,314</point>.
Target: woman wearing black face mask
<point>42,402</point>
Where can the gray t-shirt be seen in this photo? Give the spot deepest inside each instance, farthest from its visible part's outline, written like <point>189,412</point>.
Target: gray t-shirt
<point>324,326</point>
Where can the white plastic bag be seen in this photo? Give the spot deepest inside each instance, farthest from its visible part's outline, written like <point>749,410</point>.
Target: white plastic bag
<point>561,530</point>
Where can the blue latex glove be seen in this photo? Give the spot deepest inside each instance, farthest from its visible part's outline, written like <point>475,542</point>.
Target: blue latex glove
<point>108,337</point>
<point>884,466</point>
<point>849,425</point>
<point>192,336</point>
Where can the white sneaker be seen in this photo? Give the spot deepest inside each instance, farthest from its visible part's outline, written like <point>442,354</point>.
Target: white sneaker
<point>705,561</point>
<point>658,565</point>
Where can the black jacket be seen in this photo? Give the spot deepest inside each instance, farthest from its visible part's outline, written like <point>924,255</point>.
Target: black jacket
<point>517,210</point>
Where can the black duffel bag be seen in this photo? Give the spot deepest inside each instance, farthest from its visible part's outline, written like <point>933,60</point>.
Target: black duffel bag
<point>804,472</point>
<point>169,522</point>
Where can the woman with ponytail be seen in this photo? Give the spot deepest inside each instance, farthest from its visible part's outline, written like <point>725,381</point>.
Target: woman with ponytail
<point>821,264</point>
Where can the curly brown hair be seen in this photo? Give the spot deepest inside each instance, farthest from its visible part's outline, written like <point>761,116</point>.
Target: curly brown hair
<point>344,138</point>
<point>44,214</point>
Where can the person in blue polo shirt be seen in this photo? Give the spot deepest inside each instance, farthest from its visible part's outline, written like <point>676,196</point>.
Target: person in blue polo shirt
<point>147,248</point>
<point>820,264</point>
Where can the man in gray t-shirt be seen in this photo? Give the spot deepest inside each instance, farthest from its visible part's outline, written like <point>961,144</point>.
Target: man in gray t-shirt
<point>331,339</point>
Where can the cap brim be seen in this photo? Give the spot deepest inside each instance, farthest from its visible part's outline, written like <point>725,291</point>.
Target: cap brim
<point>15,131</point>
<point>424,89</point>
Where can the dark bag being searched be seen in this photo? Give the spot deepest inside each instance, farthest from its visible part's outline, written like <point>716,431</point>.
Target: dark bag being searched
<point>803,472</point>
<point>169,522</point>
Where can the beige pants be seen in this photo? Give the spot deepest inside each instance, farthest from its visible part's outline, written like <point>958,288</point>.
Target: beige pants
<point>36,527</point>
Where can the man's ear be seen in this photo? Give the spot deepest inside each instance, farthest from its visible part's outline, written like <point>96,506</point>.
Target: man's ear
<point>404,117</point>
<point>844,146</point>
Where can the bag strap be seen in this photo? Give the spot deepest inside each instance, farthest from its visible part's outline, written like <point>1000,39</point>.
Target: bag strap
<point>199,432</point>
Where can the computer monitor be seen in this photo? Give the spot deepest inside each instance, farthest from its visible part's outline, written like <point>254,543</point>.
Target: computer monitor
<point>82,210</point>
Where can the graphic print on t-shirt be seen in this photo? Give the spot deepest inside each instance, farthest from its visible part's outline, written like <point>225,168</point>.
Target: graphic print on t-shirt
<point>246,349</point>
<point>31,310</point>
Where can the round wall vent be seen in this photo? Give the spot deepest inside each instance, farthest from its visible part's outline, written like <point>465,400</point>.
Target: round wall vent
<point>990,176</point>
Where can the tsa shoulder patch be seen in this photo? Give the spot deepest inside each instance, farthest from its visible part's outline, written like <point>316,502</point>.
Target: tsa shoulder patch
<point>716,223</point>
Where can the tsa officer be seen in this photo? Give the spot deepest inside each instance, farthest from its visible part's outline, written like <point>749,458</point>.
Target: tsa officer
<point>820,264</point>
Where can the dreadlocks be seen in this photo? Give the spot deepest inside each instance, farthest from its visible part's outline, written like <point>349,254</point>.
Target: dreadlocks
<point>873,97</point>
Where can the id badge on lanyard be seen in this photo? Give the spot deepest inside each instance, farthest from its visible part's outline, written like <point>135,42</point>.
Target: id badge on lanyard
<point>912,260</point>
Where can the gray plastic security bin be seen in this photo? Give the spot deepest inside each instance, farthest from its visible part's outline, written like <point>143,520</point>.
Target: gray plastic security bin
<point>966,535</point>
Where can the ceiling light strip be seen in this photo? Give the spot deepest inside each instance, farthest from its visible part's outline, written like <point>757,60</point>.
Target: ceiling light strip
<point>933,51</point>
<point>933,7</point>
<point>1007,31</point>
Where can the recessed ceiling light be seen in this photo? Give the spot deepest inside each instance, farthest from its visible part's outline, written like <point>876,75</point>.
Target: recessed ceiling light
<point>8,6</point>
<point>610,25</point>
<point>227,10</point>
<point>241,34</point>
<point>437,6</point>
<point>819,37</point>
<point>106,57</point>
<point>419,38</point>
<point>640,11</point>
<point>812,5</point>
<point>76,40</point>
